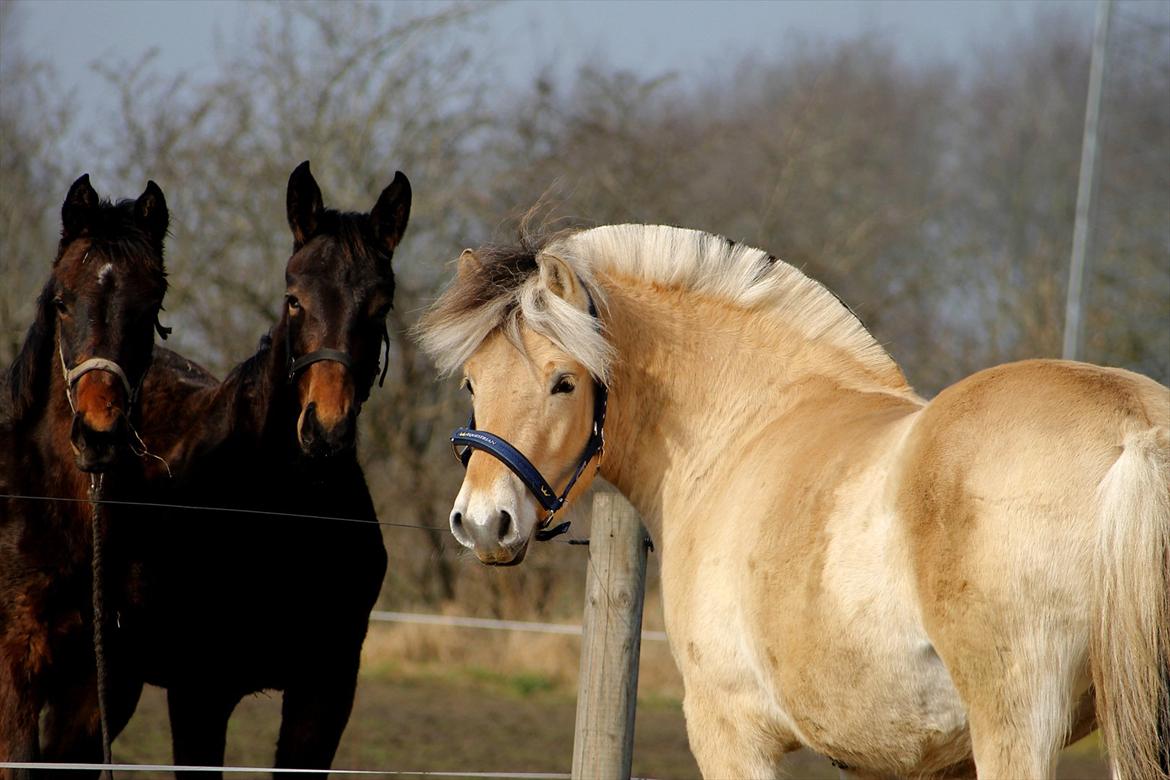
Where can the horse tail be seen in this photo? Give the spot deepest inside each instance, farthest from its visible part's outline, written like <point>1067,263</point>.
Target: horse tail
<point>1130,637</point>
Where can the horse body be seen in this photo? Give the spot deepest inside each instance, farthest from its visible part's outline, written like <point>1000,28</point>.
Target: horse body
<point>67,408</point>
<point>223,605</point>
<point>220,605</point>
<point>899,585</point>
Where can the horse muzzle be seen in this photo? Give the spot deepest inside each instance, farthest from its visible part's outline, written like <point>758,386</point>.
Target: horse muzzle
<point>98,450</point>
<point>321,441</point>
<point>491,529</point>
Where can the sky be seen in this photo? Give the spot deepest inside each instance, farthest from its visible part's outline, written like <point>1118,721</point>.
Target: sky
<point>648,38</point>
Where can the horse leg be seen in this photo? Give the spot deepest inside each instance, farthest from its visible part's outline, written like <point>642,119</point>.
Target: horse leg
<point>1019,694</point>
<point>19,713</point>
<point>199,721</point>
<point>313,717</point>
<point>71,727</point>
<point>725,738</point>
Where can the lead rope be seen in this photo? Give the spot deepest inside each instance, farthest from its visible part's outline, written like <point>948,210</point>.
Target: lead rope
<point>95,490</point>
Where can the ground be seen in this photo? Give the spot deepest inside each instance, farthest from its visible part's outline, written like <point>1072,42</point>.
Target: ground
<point>434,717</point>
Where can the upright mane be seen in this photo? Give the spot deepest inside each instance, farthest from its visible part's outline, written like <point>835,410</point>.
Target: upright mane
<point>502,291</point>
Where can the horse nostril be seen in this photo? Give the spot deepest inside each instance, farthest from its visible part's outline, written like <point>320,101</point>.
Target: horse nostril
<point>457,520</point>
<point>75,433</point>
<point>505,523</point>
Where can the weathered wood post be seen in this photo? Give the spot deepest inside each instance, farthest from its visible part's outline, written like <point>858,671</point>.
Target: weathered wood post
<point>615,586</point>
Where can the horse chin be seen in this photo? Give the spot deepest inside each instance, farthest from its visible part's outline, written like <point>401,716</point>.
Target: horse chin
<point>97,451</point>
<point>97,461</point>
<point>496,558</point>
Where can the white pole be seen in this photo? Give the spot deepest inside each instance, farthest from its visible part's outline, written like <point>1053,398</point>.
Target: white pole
<point>1074,325</point>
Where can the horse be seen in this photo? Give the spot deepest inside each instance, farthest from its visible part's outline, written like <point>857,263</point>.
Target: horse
<point>220,605</point>
<point>67,416</point>
<point>908,587</point>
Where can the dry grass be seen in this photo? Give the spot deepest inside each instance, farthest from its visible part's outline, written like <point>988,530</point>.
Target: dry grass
<point>410,649</point>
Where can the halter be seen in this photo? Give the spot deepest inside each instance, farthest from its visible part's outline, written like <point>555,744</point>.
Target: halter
<point>465,440</point>
<point>84,367</point>
<point>336,355</point>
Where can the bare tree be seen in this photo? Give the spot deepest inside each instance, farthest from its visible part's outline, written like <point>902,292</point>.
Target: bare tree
<point>34,176</point>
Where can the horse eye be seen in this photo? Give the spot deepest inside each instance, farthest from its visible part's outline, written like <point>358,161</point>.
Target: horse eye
<point>293,303</point>
<point>564,385</point>
<point>59,302</point>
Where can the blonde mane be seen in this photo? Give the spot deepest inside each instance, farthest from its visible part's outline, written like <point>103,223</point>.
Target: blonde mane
<point>507,287</point>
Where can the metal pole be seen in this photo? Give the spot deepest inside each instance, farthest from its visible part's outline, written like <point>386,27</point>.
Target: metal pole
<point>603,745</point>
<point>1074,324</point>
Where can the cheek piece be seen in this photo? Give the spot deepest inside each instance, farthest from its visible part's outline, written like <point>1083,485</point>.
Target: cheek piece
<point>467,439</point>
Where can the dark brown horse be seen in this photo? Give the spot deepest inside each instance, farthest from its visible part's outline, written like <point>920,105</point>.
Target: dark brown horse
<point>66,415</point>
<point>223,605</point>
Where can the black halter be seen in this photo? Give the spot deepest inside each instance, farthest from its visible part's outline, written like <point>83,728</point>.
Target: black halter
<point>336,355</point>
<point>465,440</point>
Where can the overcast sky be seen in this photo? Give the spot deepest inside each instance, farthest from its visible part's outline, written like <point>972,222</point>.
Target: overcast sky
<point>647,37</point>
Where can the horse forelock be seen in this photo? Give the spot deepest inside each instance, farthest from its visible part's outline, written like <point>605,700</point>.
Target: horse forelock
<point>503,289</point>
<point>113,239</point>
<point>353,236</point>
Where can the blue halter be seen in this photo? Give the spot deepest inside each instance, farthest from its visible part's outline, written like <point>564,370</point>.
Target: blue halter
<point>467,439</point>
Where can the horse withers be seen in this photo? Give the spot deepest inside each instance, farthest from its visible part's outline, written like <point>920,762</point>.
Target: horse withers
<point>913,588</point>
<point>67,420</point>
<point>221,605</point>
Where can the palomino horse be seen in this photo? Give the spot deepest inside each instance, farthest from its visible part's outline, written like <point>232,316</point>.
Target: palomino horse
<point>898,584</point>
<point>66,416</point>
<point>222,605</point>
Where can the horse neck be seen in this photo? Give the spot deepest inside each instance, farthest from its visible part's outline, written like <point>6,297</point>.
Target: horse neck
<point>695,378</point>
<point>242,411</point>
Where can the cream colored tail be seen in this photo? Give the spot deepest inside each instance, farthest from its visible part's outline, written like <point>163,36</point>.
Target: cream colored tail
<point>1130,643</point>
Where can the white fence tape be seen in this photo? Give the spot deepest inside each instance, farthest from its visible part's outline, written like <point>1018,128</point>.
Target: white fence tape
<point>495,625</point>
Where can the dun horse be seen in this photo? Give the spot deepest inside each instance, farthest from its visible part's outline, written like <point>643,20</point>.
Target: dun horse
<point>222,605</point>
<point>66,417</point>
<point>901,585</point>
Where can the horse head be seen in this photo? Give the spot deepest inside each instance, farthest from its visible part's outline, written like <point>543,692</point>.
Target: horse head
<point>339,289</point>
<point>96,318</point>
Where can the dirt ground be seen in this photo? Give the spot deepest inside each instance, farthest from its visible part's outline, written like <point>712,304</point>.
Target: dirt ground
<point>476,720</point>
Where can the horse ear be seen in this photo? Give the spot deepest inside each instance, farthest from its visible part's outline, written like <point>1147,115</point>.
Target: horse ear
<point>559,278</point>
<point>151,211</point>
<point>391,212</point>
<point>304,205</point>
<point>28,377</point>
<point>468,265</point>
<point>79,207</point>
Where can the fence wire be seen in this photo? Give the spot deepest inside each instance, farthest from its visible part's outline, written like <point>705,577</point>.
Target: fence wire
<point>243,770</point>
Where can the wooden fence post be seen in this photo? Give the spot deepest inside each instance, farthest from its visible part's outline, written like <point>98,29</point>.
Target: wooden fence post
<point>615,586</point>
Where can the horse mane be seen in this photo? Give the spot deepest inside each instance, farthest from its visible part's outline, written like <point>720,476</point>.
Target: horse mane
<point>500,291</point>
<point>28,376</point>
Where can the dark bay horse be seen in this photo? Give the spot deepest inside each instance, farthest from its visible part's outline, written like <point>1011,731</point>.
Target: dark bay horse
<point>222,605</point>
<point>67,414</point>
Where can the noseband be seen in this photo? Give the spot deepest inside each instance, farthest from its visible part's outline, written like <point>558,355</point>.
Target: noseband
<point>336,355</point>
<point>465,440</point>
<point>72,375</point>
